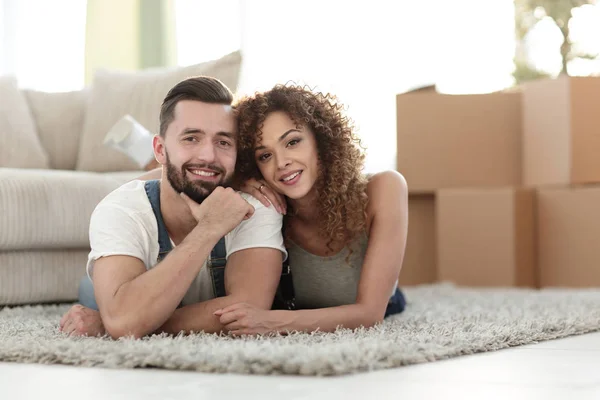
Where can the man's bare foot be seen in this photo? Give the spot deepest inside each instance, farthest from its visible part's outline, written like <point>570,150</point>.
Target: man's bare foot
<point>82,321</point>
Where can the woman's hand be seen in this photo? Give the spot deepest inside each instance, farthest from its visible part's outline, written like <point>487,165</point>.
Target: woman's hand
<point>263,193</point>
<point>246,319</point>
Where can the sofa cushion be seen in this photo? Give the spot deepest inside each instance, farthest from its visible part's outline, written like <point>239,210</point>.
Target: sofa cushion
<point>115,94</point>
<point>20,146</point>
<point>40,276</point>
<point>51,209</point>
<point>59,121</point>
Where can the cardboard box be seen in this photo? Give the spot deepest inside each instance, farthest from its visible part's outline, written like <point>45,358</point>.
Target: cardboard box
<point>569,236</point>
<point>453,141</point>
<point>561,131</point>
<point>486,237</point>
<point>418,266</point>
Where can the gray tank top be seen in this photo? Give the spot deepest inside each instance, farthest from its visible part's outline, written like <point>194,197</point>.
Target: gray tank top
<point>321,282</point>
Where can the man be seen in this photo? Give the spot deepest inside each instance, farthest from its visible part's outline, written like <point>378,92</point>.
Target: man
<point>141,286</point>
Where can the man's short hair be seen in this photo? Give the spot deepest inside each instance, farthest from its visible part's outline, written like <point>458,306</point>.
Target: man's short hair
<point>199,88</point>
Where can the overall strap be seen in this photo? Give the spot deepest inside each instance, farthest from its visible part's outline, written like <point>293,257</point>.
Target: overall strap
<point>285,297</point>
<point>216,266</point>
<point>217,259</point>
<point>218,254</point>
<point>164,242</point>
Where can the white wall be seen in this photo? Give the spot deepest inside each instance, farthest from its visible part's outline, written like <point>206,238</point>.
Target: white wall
<point>43,43</point>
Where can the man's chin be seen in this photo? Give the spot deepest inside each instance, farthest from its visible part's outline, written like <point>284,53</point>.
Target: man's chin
<point>199,191</point>
<point>196,195</point>
<point>205,187</point>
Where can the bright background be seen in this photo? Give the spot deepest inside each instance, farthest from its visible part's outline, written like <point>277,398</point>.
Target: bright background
<point>365,52</point>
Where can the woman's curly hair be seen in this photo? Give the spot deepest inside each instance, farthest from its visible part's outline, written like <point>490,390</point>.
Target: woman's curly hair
<point>341,186</point>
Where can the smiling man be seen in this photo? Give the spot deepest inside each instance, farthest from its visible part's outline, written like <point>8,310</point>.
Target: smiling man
<point>166,254</point>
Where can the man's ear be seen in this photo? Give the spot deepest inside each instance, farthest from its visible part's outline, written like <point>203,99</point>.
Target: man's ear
<point>158,143</point>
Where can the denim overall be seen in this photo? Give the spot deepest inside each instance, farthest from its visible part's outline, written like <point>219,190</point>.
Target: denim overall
<point>216,262</point>
<point>396,305</point>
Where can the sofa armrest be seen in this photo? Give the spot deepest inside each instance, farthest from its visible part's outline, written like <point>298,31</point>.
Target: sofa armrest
<point>50,209</point>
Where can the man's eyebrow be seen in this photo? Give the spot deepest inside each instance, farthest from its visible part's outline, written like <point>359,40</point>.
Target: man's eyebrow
<point>282,137</point>
<point>226,134</point>
<point>187,131</point>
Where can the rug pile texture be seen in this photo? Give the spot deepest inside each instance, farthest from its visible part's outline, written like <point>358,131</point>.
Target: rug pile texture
<point>441,321</point>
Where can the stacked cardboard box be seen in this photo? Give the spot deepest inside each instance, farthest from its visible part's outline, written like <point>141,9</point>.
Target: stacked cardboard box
<point>498,171</point>
<point>419,264</point>
<point>561,143</point>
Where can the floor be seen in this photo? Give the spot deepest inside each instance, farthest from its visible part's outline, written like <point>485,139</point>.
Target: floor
<point>559,369</point>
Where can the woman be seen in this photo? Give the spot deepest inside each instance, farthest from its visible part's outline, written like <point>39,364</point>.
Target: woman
<point>345,233</point>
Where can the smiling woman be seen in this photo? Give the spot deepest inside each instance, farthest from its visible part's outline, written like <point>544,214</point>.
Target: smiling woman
<point>275,152</point>
<point>345,232</point>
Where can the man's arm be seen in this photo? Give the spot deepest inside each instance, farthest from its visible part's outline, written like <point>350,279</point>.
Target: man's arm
<point>251,276</point>
<point>256,251</point>
<point>133,301</point>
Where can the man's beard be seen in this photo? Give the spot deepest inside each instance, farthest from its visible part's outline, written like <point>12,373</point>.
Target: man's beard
<point>196,190</point>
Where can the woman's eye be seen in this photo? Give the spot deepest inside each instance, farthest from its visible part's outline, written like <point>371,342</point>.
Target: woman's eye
<point>263,157</point>
<point>293,142</point>
<point>224,143</point>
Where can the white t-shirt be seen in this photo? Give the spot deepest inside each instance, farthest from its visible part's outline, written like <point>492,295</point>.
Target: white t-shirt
<point>123,223</point>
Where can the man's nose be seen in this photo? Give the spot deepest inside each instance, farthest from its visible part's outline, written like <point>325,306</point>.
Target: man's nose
<point>206,153</point>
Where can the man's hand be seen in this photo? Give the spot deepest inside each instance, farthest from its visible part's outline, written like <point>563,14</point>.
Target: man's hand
<point>222,210</point>
<point>82,321</point>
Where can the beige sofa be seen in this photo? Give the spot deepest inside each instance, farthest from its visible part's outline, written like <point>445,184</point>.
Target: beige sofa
<point>54,169</point>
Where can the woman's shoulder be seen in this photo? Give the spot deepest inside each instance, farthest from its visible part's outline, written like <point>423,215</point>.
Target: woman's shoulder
<point>386,182</point>
<point>388,194</point>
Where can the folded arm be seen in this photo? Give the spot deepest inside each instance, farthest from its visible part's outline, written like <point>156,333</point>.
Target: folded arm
<point>251,276</point>
<point>137,302</point>
<point>133,301</point>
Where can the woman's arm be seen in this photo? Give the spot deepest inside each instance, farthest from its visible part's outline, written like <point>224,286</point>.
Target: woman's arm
<point>388,215</point>
<point>388,231</point>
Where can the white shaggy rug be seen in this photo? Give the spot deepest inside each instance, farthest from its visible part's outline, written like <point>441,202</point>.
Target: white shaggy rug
<point>441,321</point>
